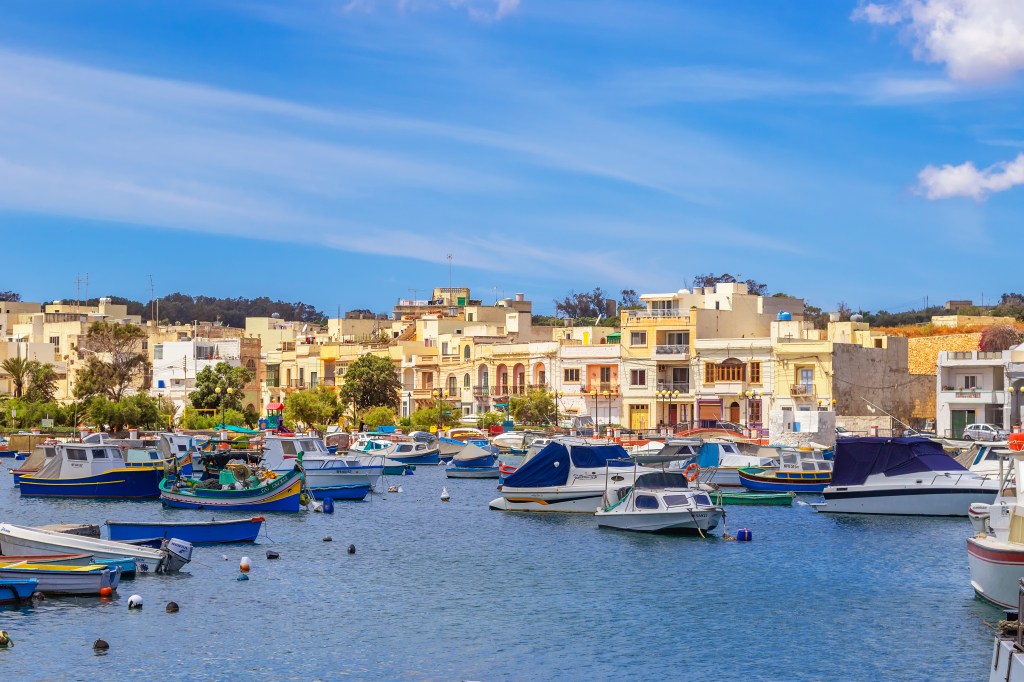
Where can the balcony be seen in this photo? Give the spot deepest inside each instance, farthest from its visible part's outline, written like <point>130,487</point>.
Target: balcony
<point>481,391</point>
<point>673,386</point>
<point>665,313</point>
<point>973,396</point>
<point>677,352</point>
<point>801,390</point>
<point>601,387</point>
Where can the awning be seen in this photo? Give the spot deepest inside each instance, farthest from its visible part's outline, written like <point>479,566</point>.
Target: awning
<point>236,429</point>
<point>275,406</point>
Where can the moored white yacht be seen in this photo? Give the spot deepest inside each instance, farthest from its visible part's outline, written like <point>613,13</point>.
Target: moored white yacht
<point>995,555</point>
<point>323,470</point>
<point>911,476</point>
<point>568,475</point>
<point>658,502</point>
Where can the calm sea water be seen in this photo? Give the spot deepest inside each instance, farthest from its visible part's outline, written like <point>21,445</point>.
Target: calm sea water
<point>449,591</point>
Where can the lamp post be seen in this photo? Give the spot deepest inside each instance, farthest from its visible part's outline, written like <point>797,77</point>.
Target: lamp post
<point>223,396</point>
<point>673,399</point>
<point>596,398</point>
<point>440,394</point>
<point>557,395</point>
<point>608,424</point>
<point>1014,406</point>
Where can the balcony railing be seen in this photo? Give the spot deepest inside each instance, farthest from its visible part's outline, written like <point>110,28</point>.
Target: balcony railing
<point>679,351</point>
<point>601,387</point>
<point>656,313</point>
<point>673,386</point>
<point>801,389</point>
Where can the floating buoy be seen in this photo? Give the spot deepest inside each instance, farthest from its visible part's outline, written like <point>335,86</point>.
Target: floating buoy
<point>242,576</point>
<point>5,639</point>
<point>172,607</point>
<point>351,549</point>
<point>744,535</point>
<point>135,601</point>
<point>394,489</point>
<point>38,596</point>
<point>243,565</point>
<point>328,505</point>
<point>304,499</point>
<point>225,556</point>
<point>327,538</point>
<point>271,554</point>
<point>100,645</point>
<point>106,592</point>
<point>444,495</point>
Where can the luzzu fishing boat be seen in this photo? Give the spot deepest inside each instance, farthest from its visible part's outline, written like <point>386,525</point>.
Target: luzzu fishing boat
<point>799,472</point>
<point>14,591</point>
<point>236,489</point>
<point>91,470</point>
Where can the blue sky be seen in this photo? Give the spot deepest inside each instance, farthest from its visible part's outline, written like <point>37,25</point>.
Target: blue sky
<point>337,151</point>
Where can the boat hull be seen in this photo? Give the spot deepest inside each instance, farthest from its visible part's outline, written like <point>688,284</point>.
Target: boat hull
<point>996,569</point>
<point>904,501</point>
<point>661,522</point>
<point>55,580</point>
<point>565,499</point>
<point>281,494</point>
<point>135,483</point>
<point>769,483</point>
<point>18,540</point>
<point>340,477</point>
<point>764,499</point>
<point>353,491</point>
<point>15,591</point>
<point>428,458</point>
<point>198,533</point>
<point>472,472</point>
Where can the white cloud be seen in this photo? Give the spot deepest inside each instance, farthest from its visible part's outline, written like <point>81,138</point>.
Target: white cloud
<point>481,10</point>
<point>977,40</point>
<point>966,180</point>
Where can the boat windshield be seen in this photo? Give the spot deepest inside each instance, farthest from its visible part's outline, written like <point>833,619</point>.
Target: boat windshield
<point>676,500</point>
<point>646,502</point>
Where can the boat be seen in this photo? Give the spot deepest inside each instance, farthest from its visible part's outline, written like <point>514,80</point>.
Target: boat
<point>720,462</point>
<point>415,452</point>
<point>15,591</point>
<point>1008,650</point>
<point>658,502</point>
<point>337,476</point>
<point>171,557</point>
<point>60,579</point>
<point>516,442</point>
<point>91,470</point>
<point>748,497</point>
<point>911,476</point>
<point>799,471</point>
<point>567,475</point>
<point>197,532</point>
<point>62,559</point>
<point>31,464</point>
<point>664,451</point>
<point>373,450</point>
<point>995,554</point>
<point>236,489</point>
<point>473,462</point>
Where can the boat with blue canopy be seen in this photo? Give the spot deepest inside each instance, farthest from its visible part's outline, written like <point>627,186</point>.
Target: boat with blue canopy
<point>473,461</point>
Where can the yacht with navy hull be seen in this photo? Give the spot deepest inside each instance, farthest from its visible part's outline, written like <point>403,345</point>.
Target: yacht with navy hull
<point>906,476</point>
<point>568,475</point>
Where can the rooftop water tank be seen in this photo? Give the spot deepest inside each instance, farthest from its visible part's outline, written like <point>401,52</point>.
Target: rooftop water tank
<point>783,316</point>
<point>856,318</point>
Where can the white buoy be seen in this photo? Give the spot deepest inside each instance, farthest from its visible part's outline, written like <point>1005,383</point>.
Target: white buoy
<point>243,565</point>
<point>135,601</point>
<point>444,495</point>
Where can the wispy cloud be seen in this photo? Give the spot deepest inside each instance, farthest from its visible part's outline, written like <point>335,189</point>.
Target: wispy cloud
<point>978,40</point>
<point>480,10</point>
<point>966,180</point>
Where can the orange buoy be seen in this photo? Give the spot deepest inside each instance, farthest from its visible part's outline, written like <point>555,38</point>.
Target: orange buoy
<point>243,566</point>
<point>106,592</point>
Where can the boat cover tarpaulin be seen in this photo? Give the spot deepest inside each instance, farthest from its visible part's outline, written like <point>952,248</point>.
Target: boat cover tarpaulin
<point>473,452</point>
<point>597,456</point>
<point>858,458</point>
<point>549,467</point>
<point>661,479</point>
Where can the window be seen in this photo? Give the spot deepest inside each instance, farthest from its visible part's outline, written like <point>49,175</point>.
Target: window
<point>572,376</point>
<point>605,373</point>
<point>646,502</point>
<point>755,372</point>
<point>709,372</point>
<point>55,342</point>
<point>99,453</point>
<point>465,379</point>
<point>158,351</point>
<point>288,447</point>
<point>638,377</point>
<point>250,365</point>
<point>731,371</point>
<point>754,412</point>
<point>677,338</point>
<point>312,379</point>
<point>807,379</point>
<point>302,376</point>
<point>638,338</point>
<point>971,381</point>
<point>145,345</point>
<point>465,352</point>
<point>453,384</point>
<point>77,455</point>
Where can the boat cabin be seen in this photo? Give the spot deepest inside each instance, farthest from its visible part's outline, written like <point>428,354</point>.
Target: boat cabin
<point>81,460</point>
<point>804,466</point>
<point>276,448</point>
<point>411,449</point>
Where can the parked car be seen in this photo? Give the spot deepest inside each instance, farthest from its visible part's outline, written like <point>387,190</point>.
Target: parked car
<point>842,432</point>
<point>985,432</point>
<point>914,433</point>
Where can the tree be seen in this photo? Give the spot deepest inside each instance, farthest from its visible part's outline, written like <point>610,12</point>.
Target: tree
<point>193,419</point>
<point>118,360</point>
<point>630,300</point>
<point>843,310</point>
<point>19,369</point>
<point>371,381</point>
<point>316,406</point>
<point>222,376</point>
<point>536,407</point>
<point>999,337</point>
<point>424,419</point>
<point>1010,305</point>
<point>489,419</point>
<point>379,416</point>
<point>42,386</point>
<point>709,280</point>
<point>139,410</point>
<point>575,305</point>
<point>10,296</point>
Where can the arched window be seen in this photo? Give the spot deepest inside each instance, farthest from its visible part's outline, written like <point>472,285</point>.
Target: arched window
<point>250,365</point>
<point>453,384</point>
<point>465,381</point>
<point>465,352</point>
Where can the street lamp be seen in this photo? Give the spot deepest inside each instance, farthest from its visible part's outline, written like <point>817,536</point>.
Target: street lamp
<point>440,394</point>
<point>608,424</point>
<point>219,391</point>
<point>1014,404</point>
<point>557,395</point>
<point>672,401</point>
<point>596,398</point>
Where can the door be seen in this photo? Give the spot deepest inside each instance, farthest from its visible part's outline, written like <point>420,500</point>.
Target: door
<point>638,418</point>
<point>734,413</point>
<point>673,414</point>
<point>960,419</point>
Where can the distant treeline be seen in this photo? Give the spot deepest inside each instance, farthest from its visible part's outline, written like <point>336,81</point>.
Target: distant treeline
<point>183,309</point>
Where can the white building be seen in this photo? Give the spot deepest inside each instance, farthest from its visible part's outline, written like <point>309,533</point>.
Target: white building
<point>176,363</point>
<point>978,387</point>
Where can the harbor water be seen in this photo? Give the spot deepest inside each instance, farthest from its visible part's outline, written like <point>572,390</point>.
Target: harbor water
<point>448,591</point>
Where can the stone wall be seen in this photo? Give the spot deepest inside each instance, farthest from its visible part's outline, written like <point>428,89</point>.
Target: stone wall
<point>808,428</point>
<point>861,425</point>
<point>880,376</point>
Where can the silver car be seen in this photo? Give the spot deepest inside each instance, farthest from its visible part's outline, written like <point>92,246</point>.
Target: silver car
<point>985,432</point>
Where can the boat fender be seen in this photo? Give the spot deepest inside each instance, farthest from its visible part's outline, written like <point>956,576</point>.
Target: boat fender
<point>135,602</point>
<point>100,645</point>
<point>106,592</point>
<point>243,565</point>
<point>351,549</point>
<point>5,639</point>
<point>328,505</point>
<point>304,499</point>
<point>744,535</point>
<point>172,607</point>
<point>692,471</point>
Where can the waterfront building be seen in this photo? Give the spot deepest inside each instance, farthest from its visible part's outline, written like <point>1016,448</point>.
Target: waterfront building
<point>978,387</point>
<point>177,361</point>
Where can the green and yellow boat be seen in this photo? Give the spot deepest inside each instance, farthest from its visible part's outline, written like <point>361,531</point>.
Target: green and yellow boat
<point>768,499</point>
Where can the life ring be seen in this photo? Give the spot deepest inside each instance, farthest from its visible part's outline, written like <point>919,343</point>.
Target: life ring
<point>692,471</point>
<point>1016,441</point>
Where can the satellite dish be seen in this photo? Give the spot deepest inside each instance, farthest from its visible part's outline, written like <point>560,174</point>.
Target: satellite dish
<point>275,315</point>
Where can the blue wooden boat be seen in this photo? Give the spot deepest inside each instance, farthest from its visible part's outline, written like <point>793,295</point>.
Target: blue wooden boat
<point>197,532</point>
<point>274,494</point>
<point>473,461</point>
<point>344,491</point>
<point>91,470</point>
<point>799,472</point>
<point>14,591</point>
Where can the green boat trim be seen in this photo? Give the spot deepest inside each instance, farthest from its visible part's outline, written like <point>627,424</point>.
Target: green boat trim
<point>397,470</point>
<point>768,499</point>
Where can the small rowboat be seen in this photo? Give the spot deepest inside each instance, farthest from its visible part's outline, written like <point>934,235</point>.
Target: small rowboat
<point>58,579</point>
<point>62,559</point>
<point>16,591</point>
<point>197,532</point>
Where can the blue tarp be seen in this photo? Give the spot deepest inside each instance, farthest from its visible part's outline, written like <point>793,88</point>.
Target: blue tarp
<point>597,456</point>
<point>858,458</point>
<point>549,467</point>
<point>236,429</point>
<point>708,455</point>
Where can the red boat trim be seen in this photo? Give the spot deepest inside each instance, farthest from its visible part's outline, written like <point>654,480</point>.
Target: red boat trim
<point>995,555</point>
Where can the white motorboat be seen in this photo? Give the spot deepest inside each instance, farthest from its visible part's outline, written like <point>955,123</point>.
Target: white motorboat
<point>568,475</point>
<point>24,540</point>
<point>662,452</point>
<point>323,470</point>
<point>986,460</point>
<point>516,442</point>
<point>658,502</point>
<point>61,579</point>
<point>720,462</point>
<point>907,476</point>
<point>1008,649</point>
<point>995,555</point>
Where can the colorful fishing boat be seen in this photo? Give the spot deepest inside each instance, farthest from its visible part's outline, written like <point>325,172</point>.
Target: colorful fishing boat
<point>91,470</point>
<point>15,591</point>
<point>197,532</point>
<point>60,579</point>
<point>765,499</point>
<point>799,471</point>
<point>237,489</point>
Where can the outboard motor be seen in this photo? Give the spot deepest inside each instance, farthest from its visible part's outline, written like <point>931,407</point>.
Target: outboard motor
<point>177,553</point>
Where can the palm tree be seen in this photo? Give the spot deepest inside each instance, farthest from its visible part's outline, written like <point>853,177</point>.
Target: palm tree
<point>18,369</point>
